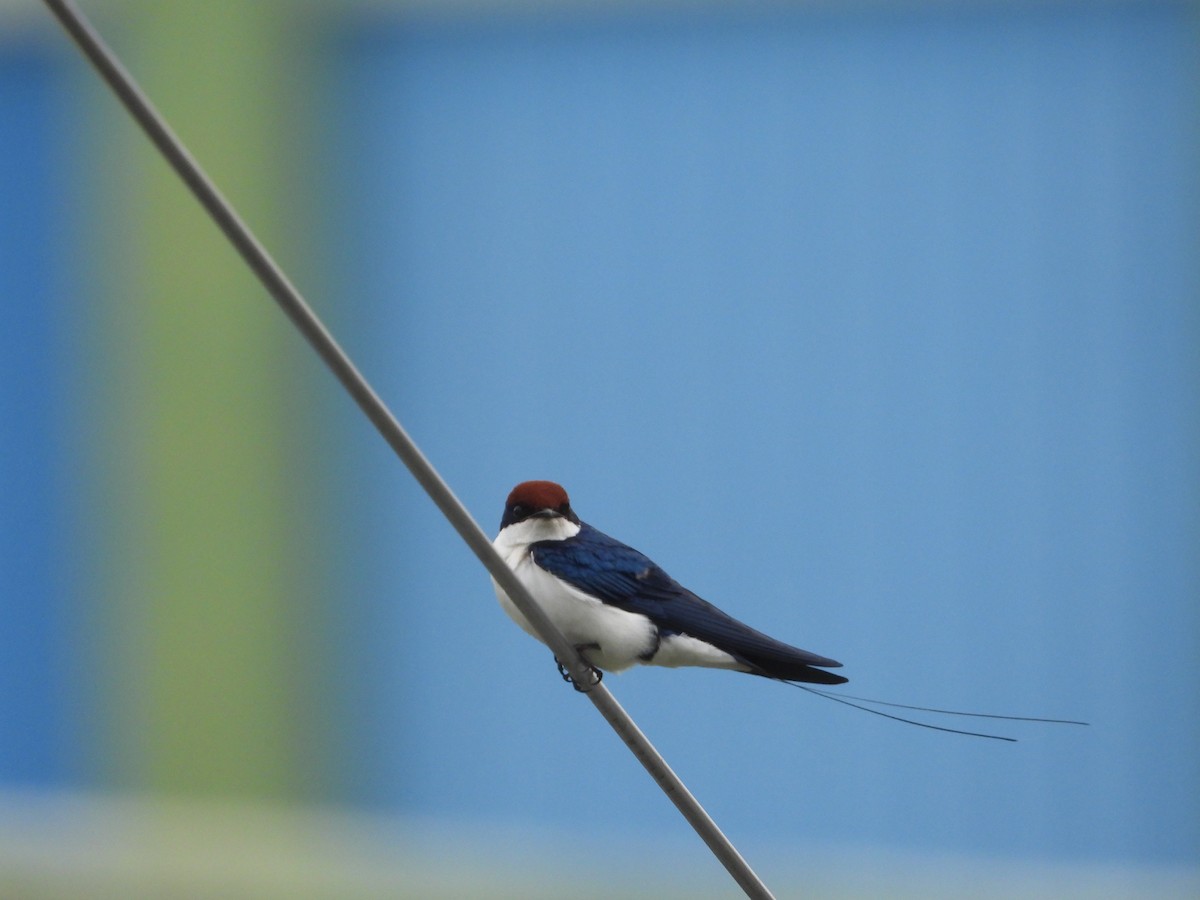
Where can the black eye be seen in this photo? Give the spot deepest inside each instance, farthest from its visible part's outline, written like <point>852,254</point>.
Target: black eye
<point>519,511</point>
<point>565,509</point>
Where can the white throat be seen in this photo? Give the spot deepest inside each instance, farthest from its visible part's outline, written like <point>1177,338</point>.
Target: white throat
<point>513,540</point>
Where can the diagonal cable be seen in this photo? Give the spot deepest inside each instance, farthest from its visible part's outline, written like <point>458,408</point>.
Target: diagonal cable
<point>310,326</point>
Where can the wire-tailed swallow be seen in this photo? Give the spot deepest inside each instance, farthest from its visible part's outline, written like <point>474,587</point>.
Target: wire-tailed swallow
<point>619,608</point>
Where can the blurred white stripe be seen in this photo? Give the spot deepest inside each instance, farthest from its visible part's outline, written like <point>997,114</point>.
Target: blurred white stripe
<point>78,845</point>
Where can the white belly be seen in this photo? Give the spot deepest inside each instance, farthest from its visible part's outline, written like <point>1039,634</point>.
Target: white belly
<point>623,638</point>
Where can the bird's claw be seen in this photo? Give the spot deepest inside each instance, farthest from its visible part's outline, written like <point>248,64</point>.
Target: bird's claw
<point>566,676</point>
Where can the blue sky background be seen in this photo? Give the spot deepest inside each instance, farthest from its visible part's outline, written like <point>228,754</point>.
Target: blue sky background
<point>36,527</point>
<point>877,329</point>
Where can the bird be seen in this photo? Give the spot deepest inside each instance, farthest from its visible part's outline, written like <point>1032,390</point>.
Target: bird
<point>619,608</point>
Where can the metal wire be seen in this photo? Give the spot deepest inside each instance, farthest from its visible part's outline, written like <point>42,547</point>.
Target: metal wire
<point>295,308</point>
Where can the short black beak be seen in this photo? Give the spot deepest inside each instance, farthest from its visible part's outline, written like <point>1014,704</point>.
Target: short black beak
<point>547,514</point>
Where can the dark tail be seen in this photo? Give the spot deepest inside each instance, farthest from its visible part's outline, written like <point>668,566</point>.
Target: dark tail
<point>792,671</point>
<point>787,663</point>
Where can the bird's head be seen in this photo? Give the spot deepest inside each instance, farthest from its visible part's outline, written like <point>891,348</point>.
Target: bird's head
<point>538,503</point>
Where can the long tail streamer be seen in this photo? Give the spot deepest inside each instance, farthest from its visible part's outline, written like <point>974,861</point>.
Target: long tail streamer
<point>849,700</point>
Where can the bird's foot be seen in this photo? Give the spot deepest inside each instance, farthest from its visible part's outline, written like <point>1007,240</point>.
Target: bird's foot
<point>566,676</point>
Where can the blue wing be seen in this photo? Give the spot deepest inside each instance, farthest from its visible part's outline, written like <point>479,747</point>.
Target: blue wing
<point>621,576</point>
